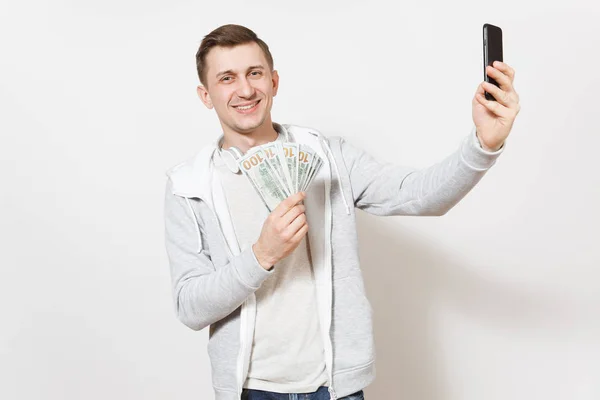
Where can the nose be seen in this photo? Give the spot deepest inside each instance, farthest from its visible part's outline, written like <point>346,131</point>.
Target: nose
<point>245,88</point>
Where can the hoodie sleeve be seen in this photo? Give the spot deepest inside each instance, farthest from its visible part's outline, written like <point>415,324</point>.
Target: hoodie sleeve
<point>386,189</point>
<point>202,293</point>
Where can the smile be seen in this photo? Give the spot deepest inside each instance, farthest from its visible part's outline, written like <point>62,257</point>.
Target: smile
<point>248,108</point>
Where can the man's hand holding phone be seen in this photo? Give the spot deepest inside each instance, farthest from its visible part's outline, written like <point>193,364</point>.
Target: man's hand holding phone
<point>494,119</point>
<point>494,116</point>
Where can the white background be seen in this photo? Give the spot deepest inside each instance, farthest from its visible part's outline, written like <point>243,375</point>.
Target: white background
<point>498,299</point>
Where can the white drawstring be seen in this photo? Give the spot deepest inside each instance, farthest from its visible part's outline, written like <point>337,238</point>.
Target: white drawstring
<point>338,176</point>
<point>196,224</point>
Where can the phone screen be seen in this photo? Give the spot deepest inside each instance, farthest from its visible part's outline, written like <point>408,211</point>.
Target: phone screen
<point>492,51</point>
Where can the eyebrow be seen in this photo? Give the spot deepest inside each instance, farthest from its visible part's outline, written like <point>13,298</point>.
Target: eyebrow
<point>230,71</point>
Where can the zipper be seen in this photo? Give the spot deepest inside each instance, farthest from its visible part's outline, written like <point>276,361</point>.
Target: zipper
<point>243,321</point>
<point>244,310</point>
<point>242,352</point>
<point>332,395</point>
<point>329,270</point>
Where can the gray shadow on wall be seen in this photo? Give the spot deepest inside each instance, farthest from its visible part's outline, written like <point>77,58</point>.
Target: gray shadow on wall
<point>416,277</point>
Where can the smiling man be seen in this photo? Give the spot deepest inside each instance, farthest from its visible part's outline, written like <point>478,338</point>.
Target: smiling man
<point>239,82</point>
<point>286,307</point>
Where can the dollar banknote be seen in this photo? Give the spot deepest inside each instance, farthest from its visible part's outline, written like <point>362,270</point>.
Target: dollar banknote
<point>290,151</point>
<point>309,171</point>
<point>278,170</point>
<point>276,158</point>
<point>263,177</point>
<point>305,158</point>
<point>314,170</point>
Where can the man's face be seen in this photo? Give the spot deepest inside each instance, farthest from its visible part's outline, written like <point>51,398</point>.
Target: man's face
<point>240,86</point>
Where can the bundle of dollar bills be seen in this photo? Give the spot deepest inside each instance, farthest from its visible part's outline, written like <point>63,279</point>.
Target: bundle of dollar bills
<point>280,169</point>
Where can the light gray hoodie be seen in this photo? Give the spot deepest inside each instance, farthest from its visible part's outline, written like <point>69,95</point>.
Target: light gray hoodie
<point>214,282</point>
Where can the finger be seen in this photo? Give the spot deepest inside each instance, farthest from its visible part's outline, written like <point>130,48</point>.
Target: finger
<point>506,69</point>
<point>493,106</point>
<point>513,98</point>
<point>510,72</point>
<point>292,214</point>
<point>500,95</point>
<point>288,203</point>
<point>480,90</point>
<point>503,80</point>
<point>296,224</point>
<point>300,234</point>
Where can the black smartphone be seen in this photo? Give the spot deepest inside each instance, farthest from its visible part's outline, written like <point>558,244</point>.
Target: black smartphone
<point>492,51</point>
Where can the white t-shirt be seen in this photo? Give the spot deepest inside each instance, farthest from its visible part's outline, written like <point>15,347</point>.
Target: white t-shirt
<point>287,350</point>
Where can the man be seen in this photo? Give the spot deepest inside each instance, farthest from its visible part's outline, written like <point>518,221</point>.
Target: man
<point>286,304</point>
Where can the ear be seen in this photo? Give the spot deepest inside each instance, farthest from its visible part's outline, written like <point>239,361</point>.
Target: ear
<point>204,96</point>
<point>275,80</point>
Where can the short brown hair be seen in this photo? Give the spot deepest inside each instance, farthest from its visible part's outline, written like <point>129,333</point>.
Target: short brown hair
<point>227,36</point>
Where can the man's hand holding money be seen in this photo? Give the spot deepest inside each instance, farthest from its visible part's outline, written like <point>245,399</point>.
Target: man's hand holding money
<point>282,231</point>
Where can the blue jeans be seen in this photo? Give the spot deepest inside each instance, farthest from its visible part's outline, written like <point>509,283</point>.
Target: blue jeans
<point>321,394</point>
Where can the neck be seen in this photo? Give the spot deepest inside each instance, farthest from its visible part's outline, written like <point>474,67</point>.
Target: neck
<point>245,140</point>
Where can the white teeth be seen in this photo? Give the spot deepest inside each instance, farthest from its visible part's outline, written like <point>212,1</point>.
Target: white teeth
<point>246,107</point>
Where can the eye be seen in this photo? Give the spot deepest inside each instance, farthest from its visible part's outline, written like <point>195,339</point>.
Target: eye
<point>257,72</point>
<point>225,78</point>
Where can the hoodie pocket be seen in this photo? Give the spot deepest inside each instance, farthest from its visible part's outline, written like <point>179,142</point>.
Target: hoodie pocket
<point>352,325</point>
<point>222,348</point>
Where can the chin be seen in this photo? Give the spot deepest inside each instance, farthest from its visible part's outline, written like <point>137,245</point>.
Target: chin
<point>249,125</point>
